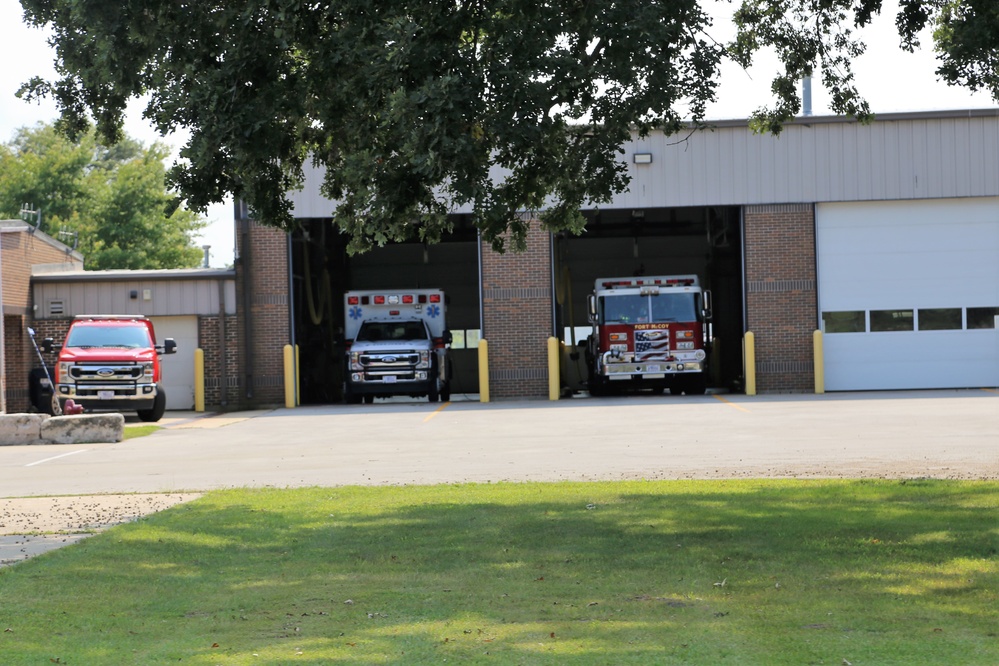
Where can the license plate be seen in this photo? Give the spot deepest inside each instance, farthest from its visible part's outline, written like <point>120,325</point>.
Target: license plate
<point>389,379</point>
<point>653,368</point>
<point>105,395</point>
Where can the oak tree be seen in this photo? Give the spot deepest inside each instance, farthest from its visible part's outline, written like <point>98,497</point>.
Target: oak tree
<point>413,108</point>
<point>111,203</point>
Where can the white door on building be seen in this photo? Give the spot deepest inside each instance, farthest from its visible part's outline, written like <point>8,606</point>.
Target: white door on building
<point>178,368</point>
<point>909,293</point>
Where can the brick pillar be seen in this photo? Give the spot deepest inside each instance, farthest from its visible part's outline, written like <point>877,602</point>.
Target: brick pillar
<point>263,314</point>
<point>517,316</point>
<point>781,299</point>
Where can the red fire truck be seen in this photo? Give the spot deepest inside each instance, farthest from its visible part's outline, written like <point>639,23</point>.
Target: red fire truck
<point>649,332</point>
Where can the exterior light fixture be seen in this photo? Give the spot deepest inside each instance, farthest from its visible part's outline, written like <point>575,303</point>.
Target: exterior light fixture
<point>642,158</point>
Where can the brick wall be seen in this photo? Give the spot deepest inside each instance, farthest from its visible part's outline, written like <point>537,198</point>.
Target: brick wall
<point>517,311</point>
<point>23,357</point>
<point>262,303</point>
<point>223,388</point>
<point>20,251</point>
<point>781,302</point>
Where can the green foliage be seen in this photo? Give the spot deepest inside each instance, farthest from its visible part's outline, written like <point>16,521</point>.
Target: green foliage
<point>114,199</point>
<point>817,36</point>
<point>410,105</point>
<point>698,572</point>
<point>417,107</point>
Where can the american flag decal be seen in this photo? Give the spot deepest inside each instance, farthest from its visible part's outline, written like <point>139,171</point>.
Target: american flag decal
<point>651,344</point>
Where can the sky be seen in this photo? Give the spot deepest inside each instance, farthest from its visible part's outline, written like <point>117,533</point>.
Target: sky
<point>891,80</point>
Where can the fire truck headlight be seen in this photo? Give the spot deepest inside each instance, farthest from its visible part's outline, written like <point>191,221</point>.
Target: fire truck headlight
<point>685,345</point>
<point>699,355</point>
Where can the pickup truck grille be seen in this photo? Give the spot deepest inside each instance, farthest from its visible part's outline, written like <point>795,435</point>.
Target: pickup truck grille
<point>105,372</point>
<point>389,360</point>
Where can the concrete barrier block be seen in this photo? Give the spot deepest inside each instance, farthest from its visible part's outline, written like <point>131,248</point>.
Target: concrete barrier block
<point>17,429</point>
<point>83,429</point>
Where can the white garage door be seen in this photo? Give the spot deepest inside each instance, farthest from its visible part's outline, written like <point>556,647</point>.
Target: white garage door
<point>178,369</point>
<point>909,293</point>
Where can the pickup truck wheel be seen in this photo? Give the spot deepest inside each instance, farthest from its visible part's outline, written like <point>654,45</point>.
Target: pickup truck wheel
<point>159,406</point>
<point>434,394</point>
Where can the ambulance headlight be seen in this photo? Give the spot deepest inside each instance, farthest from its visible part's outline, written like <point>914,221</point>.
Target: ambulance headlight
<point>424,359</point>
<point>355,361</point>
<point>700,355</point>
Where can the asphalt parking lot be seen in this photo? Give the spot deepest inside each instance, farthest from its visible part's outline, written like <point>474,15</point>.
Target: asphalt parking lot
<point>940,434</point>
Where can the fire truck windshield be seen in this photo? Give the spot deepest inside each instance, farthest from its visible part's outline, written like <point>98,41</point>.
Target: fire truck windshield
<point>635,309</point>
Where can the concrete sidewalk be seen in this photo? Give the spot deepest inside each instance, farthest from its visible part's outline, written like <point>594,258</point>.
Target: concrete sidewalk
<point>888,435</point>
<point>31,526</point>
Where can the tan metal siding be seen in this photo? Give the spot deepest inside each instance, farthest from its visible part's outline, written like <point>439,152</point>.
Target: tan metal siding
<point>181,297</point>
<point>898,157</point>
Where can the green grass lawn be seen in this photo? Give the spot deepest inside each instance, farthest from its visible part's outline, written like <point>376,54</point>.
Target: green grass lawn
<point>705,572</point>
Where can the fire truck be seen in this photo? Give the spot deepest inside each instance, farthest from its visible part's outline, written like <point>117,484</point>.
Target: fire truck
<point>649,332</point>
<point>397,344</point>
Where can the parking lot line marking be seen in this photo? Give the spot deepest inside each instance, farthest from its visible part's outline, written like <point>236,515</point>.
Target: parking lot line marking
<point>39,462</point>
<point>729,403</point>
<point>436,412</point>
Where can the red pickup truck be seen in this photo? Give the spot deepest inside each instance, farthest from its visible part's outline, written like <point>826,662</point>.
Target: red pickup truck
<point>111,362</point>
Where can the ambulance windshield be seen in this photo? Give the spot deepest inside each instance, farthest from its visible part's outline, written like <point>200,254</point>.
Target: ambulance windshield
<point>375,331</point>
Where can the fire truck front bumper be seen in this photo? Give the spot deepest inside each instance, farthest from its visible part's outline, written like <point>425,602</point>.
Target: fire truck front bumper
<point>621,369</point>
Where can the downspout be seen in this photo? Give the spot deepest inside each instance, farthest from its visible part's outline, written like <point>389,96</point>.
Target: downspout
<point>482,310</point>
<point>291,310</point>
<point>554,295</point>
<point>742,258</point>
<point>244,259</point>
<point>222,351</point>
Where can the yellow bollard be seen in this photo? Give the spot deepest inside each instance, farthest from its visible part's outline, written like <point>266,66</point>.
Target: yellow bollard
<point>554,380</point>
<point>820,363</point>
<point>199,380</point>
<point>483,371</point>
<point>749,361</point>
<point>289,376</point>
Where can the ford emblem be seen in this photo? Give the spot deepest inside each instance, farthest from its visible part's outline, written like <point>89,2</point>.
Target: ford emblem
<point>389,359</point>
<point>105,372</point>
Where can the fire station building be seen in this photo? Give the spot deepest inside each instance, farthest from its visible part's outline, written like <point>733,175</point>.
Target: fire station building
<point>884,236</point>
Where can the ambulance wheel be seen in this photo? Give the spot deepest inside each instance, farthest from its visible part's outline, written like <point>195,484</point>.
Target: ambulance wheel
<point>675,390</point>
<point>155,413</point>
<point>446,392</point>
<point>350,397</point>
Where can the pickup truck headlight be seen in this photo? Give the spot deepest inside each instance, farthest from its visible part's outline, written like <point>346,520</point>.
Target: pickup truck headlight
<point>424,359</point>
<point>355,361</point>
<point>147,370</point>
<point>62,373</point>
